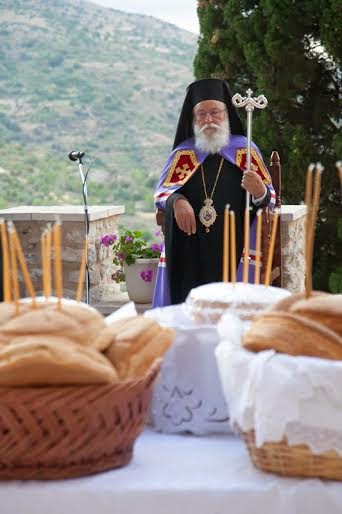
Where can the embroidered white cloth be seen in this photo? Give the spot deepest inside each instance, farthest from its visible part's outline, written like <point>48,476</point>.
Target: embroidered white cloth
<point>281,395</point>
<point>180,474</point>
<point>188,396</point>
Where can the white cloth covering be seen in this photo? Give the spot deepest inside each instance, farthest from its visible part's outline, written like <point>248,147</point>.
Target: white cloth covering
<point>180,474</point>
<point>188,396</point>
<point>281,395</point>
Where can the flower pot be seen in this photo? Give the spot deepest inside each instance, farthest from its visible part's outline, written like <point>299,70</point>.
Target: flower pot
<point>138,289</point>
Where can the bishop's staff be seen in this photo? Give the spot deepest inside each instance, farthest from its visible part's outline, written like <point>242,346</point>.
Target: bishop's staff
<point>250,104</point>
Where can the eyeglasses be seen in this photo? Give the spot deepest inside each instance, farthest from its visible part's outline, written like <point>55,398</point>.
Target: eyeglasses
<point>215,113</point>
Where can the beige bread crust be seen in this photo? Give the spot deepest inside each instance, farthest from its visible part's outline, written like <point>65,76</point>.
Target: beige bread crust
<point>44,321</point>
<point>324,309</point>
<point>81,325</point>
<point>292,334</point>
<point>285,304</point>
<point>90,322</point>
<point>33,362</point>
<point>108,335</point>
<point>8,311</point>
<point>130,341</point>
<point>158,345</point>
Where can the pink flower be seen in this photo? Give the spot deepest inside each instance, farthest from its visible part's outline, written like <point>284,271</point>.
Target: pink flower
<point>108,239</point>
<point>147,275</point>
<point>121,256</point>
<point>156,247</point>
<point>128,239</point>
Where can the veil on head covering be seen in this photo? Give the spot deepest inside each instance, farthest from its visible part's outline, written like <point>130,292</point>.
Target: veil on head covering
<point>198,91</point>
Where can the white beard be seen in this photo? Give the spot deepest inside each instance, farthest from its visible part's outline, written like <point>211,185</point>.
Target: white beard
<point>213,142</point>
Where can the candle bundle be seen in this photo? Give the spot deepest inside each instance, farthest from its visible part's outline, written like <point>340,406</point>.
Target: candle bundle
<point>14,261</point>
<point>229,248</point>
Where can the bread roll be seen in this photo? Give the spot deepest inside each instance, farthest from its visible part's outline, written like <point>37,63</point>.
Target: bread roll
<point>81,324</point>
<point>324,309</point>
<point>34,360</point>
<point>90,323</point>
<point>140,362</point>
<point>285,304</point>
<point>290,333</point>
<point>108,334</point>
<point>129,341</point>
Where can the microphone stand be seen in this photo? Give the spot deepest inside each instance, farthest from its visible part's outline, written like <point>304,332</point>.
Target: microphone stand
<point>86,219</point>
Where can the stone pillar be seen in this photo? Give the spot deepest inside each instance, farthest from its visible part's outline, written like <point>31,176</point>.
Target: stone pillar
<point>293,246</point>
<point>30,221</point>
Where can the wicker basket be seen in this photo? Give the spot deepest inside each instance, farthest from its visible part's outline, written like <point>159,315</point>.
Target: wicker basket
<point>69,431</point>
<point>297,461</point>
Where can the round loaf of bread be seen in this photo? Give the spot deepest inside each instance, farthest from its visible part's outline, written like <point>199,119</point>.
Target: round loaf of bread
<point>207,303</point>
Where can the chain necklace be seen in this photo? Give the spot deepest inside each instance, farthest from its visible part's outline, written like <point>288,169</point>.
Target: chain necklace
<point>208,214</point>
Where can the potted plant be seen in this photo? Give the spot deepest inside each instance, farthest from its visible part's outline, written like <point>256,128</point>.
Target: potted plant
<point>136,262</point>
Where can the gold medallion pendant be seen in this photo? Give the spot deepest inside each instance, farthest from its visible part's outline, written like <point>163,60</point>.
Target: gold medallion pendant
<point>207,214</point>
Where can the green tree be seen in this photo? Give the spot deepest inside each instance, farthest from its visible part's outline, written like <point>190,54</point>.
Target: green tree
<point>291,52</point>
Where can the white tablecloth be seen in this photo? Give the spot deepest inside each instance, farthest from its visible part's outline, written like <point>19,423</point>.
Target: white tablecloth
<point>180,474</point>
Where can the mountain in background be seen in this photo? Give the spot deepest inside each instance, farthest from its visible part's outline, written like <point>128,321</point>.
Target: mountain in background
<point>74,75</point>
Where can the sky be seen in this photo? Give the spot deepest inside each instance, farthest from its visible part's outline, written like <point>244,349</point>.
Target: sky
<point>182,13</point>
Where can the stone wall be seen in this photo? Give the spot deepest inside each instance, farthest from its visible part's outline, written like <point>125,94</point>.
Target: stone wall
<point>30,223</point>
<point>293,246</point>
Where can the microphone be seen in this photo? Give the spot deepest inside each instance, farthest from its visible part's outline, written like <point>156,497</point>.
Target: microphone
<point>74,156</point>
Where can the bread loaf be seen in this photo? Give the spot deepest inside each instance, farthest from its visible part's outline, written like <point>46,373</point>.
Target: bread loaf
<point>293,334</point>
<point>136,343</point>
<point>324,309</point>
<point>33,360</point>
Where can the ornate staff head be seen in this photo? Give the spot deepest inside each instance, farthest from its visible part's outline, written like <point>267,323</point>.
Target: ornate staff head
<point>249,102</point>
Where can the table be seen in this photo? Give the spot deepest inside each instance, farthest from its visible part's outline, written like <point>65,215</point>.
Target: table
<point>177,474</point>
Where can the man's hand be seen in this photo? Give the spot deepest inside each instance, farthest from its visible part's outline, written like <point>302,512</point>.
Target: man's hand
<point>253,183</point>
<point>185,216</point>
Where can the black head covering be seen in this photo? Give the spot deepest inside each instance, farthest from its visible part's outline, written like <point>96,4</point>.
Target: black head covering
<point>205,89</point>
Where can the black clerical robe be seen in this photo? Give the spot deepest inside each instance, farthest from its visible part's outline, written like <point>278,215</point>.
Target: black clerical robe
<point>197,259</point>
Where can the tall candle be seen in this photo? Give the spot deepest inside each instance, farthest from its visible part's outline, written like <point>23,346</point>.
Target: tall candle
<point>43,260</point>
<point>339,172</point>
<point>308,203</point>
<point>14,269</point>
<point>258,247</point>
<point>24,269</point>
<point>57,238</point>
<point>5,264</point>
<point>48,238</point>
<point>232,247</point>
<point>82,272</point>
<point>225,271</point>
<point>311,228</point>
<point>271,249</point>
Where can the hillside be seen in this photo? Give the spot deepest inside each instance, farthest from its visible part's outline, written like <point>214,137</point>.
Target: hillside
<point>74,75</point>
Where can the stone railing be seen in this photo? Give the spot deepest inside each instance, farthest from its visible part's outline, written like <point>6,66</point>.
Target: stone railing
<point>31,221</point>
